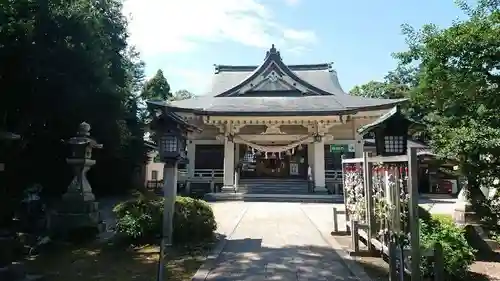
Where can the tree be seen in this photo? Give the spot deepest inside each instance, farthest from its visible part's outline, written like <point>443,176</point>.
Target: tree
<point>157,88</point>
<point>65,62</point>
<point>396,84</point>
<point>457,89</point>
<point>182,95</point>
<point>372,89</point>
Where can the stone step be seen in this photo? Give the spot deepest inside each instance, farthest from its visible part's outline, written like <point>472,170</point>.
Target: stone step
<point>273,186</point>
<point>300,198</point>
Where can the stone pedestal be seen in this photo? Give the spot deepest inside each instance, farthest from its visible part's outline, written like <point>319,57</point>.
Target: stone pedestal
<point>463,213</point>
<point>78,209</point>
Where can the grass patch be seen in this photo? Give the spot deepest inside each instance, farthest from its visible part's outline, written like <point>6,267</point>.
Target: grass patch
<point>110,262</point>
<point>443,218</point>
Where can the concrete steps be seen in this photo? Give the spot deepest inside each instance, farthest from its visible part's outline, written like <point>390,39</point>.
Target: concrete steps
<point>273,186</point>
<point>274,190</point>
<point>300,198</point>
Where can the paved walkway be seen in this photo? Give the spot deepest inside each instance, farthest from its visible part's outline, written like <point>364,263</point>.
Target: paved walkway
<point>275,241</point>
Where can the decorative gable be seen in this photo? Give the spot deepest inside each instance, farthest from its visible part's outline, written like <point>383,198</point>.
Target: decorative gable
<point>273,76</point>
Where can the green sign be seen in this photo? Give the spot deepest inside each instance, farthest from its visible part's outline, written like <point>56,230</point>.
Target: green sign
<point>338,148</point>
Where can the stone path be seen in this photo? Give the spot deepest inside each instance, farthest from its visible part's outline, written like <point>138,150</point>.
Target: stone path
<point>274,241</point>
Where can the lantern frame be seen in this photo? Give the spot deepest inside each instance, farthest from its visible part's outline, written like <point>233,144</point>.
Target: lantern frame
<point>172,139</point>
<point>391,132</point>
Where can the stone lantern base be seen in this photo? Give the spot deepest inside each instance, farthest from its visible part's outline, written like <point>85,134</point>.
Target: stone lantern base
<point>78,212</point>
<point>74,216</point>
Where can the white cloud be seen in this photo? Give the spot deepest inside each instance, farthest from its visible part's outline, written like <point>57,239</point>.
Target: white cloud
<point>166,26</point>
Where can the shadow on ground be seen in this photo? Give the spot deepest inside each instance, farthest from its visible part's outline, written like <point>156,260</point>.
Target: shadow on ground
<point>248,259</point>
<point>108,262</point>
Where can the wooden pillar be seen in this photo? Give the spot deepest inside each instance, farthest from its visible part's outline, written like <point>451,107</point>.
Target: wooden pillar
<point>413,214</point>
<point>370,214</point>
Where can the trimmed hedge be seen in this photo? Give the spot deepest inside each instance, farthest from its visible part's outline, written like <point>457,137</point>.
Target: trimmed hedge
<point>140,220</point>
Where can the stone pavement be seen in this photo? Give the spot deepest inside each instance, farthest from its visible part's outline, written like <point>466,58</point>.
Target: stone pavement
<point>275,241</point>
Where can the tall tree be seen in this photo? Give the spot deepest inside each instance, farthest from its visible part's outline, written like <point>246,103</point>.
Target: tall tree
<point>396,84</point>
<point>157,88</point>
<point>182,95</point>
<point>65,62</point>
<point>458,87</point>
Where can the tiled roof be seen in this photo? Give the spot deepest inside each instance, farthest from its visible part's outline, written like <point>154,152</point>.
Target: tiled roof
<point>323,105</point>
<point>321,76</point>
<point>274,88</point>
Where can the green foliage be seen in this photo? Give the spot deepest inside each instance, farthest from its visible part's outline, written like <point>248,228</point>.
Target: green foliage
<point>183,95</point>
<point>140,220</point>
<point>458,254</point>
<point>157,88</point>
<point>68,62</point>
<point>380,90</point>
<point>457,90</point>
<point>442,218</point>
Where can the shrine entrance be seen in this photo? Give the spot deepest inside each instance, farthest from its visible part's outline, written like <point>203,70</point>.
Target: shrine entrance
<point>289,164</point>
<point>272,167</point>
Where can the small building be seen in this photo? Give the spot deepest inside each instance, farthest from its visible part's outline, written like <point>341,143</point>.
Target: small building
<point>277,121</point>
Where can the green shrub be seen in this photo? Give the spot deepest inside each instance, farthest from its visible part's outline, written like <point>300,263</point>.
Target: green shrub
<point>443,219</point>
<point>140,220</point>
<point>458,254</point>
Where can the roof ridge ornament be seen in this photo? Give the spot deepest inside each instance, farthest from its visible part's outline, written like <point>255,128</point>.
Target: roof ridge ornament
<point>330,66</point>
<point>273,51</point>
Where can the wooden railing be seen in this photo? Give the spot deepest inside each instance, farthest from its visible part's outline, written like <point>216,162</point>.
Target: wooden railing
<point>201,174</point>
<point>333,179</point>
<point>333,175</point>
<point>215,177</point>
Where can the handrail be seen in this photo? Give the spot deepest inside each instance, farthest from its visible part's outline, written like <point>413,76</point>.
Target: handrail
<point>333,174</point>
<point>202,173</point>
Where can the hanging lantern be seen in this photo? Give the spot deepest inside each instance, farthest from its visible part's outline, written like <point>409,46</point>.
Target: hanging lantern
<point>289,152</point>
<point>391,132</point>
<point>248,158</point>
<point>299,147</point>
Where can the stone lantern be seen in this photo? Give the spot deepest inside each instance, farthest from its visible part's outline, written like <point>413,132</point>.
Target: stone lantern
<point>78,208</point>
<point>80,160</point>
<point>391,132</point>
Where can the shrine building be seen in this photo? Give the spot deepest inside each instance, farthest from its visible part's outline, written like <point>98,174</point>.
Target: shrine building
<point>277,121</point>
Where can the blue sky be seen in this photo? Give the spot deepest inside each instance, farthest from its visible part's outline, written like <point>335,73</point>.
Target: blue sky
<point>185,38</point>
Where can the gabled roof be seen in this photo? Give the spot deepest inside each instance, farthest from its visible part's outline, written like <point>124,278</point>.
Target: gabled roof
<point>274,88</point>
<point>311,79</point>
